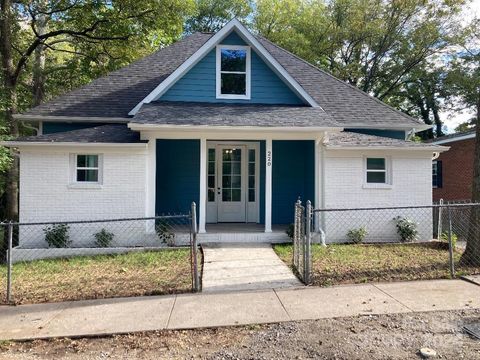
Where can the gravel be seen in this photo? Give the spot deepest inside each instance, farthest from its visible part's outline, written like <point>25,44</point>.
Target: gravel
<point>398,336</point>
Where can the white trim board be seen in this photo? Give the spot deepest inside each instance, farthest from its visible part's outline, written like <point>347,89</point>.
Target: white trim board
<point>232,25</point>
<point>453,139</point>
<point>69,144</point>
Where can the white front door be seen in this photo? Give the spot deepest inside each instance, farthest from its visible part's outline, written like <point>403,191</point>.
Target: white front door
<point>231,183</point>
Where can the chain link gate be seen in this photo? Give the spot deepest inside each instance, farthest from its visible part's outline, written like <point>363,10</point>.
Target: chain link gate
<point>302,240</point>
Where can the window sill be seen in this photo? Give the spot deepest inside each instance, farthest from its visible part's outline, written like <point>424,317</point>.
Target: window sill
<point>85,186</point>
<point>378,186</point>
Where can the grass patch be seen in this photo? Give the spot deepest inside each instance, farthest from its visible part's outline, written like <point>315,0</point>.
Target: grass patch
<point>104,276</point>
<point>348,263</point>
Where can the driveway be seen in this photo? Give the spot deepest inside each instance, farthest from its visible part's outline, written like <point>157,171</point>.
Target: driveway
<point>243,266</point>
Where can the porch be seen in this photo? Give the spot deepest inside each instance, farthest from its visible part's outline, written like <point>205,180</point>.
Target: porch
<point>245,188</point>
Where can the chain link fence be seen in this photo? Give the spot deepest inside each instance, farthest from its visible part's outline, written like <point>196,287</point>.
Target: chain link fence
<point>79,260</point>
<point>386,244</point>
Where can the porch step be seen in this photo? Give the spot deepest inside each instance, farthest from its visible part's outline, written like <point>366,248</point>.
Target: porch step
<point>246,237</point>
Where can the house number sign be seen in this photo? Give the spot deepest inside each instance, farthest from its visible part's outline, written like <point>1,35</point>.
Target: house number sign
<point>269,158</point>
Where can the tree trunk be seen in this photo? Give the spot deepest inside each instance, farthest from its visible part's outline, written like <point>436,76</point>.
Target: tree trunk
<point>10,93</point>
<point>39,63</point>
<point>471,256</point>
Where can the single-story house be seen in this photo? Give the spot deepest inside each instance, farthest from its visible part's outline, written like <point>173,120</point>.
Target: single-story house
<point>452,171</point>
<point>231,121</point>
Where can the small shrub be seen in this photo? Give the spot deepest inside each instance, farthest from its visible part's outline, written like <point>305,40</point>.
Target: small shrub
<point>357,236</point>
<point>290,230</point>
<point>444,237</point>
<point>57,235</point>
<point>164,234</point>
<point>407,229</point>
<point>103,238</point>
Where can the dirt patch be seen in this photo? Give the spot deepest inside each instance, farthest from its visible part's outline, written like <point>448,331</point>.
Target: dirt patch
<point>398,336</point>
<point>95,277</point>
<point>348,263</point>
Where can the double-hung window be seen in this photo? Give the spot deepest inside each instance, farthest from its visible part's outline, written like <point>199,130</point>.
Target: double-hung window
<point>376,170</point>
<point>87,168</point>
<point>437,174</point>
<point>233,72</point>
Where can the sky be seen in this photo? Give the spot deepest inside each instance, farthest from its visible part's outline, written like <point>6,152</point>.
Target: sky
<point>453,118</point>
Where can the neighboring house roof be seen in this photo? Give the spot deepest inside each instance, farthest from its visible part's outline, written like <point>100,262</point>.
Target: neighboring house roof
<point>352,140</point>
<point>115,95</point>
<point>453,137</point>
<point>112,133</point>
<point>221,114</point>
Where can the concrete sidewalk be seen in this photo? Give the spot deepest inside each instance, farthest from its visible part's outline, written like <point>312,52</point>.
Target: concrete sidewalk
<point>124,315</point>
<point>244,266</point>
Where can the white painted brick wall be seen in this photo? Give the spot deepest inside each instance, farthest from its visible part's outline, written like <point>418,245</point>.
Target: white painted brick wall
<point>411,173</point>
<point>46,193</point>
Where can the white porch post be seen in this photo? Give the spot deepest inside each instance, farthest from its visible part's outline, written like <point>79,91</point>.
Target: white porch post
<point>202,208</point>
<point>151,178</point>
<point>316,203</point>
<point>268,185</point>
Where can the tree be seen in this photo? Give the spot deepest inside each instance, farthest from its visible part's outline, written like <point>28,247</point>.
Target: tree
<point>30,28</point>
<point>373,45</point>
<point>465,81</point>
<point>211,15</point>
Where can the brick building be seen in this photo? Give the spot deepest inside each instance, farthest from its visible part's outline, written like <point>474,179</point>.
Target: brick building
<point>453,170</point>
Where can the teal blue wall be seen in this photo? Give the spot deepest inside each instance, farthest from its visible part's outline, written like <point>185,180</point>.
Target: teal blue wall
<point>396,134</point>
<point>199,83</point>
<point>177,176</point>
<point>293,176</point>
<point>54,127</point>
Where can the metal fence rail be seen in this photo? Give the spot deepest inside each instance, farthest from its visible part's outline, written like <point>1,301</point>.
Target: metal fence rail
<point>73,260</point>
<point>386,243</point>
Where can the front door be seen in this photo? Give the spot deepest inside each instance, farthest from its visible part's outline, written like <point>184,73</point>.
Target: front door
<point>231,183</point>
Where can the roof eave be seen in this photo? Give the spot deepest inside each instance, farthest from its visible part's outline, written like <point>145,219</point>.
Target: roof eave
<point>55,118</point>
<point>386,147</point>
<point>68,143</point>
<point>140,127</point>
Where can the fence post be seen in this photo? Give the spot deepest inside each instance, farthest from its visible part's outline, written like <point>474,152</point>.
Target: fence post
<point>308,237</point>
<point>439,226</point>
<point>9,262</point>
<point>194,247</point>
<point>297,234</point>
<point>450,244</point>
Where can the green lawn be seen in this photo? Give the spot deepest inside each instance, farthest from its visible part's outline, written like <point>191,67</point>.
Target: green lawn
<point>105,276</point>
<point>348,263</point>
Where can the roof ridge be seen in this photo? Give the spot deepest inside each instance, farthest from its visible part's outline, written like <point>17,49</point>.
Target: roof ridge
<point>341,81</point>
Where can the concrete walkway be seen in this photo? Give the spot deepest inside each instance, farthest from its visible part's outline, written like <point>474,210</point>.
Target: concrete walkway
<point>243,266</point>
<point>124,315</point>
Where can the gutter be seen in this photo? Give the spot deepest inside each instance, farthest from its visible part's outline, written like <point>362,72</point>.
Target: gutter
<point>50,143</point>
<point>384,147</point>
<point>52,118</point>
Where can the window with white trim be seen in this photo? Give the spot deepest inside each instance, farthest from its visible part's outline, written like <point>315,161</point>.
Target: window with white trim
<point>376,170</point>
<point>233,72</point>
<point>87,168</point>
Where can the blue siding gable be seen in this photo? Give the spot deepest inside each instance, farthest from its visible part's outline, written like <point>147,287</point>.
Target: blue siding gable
<point>395,134</point>
<point>55,127</point>
<point>198,84</point>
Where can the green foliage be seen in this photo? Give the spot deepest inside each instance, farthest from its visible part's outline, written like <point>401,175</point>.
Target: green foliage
<point>290,231</point>
<point>211,15</point>
<point>406,228</point>
<point>357,236</point>
<point>444,237</point>
<point>164,233</point>
<point>57,235</point>
<point>103,238</point>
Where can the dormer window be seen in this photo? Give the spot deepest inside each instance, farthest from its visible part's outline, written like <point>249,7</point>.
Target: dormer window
<point>233,72</point>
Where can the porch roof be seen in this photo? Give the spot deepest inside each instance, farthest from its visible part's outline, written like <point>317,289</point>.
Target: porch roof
<point>216,114</point>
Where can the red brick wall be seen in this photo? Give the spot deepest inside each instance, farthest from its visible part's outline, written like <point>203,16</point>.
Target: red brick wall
<point>457,166</point>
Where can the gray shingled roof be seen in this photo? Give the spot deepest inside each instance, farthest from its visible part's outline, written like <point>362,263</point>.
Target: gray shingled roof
<point>112,133</point>
<point>451,137</point>
<point>351,139</point>
<point>116,94</point>
<point>214,114</point>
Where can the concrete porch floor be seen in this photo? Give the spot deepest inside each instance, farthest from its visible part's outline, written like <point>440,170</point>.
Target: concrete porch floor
<point>242,228</point>
<point>240,266</point>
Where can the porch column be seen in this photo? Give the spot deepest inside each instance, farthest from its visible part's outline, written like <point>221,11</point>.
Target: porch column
<point>316,203</point>
<point>268,185</point>
<point>151,177</point>
<point>202,207</point>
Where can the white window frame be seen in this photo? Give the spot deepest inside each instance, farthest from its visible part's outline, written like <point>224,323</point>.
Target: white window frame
<point>219,72</point>
<point>435,166</point>
<point>74,168</point>
<point>388,172</point>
